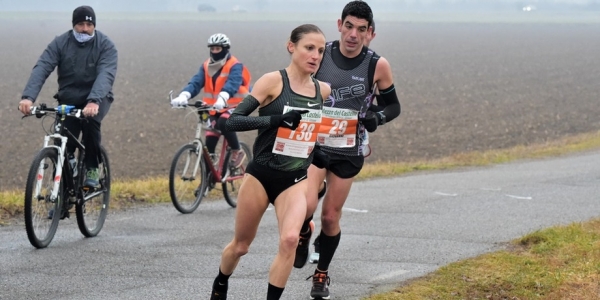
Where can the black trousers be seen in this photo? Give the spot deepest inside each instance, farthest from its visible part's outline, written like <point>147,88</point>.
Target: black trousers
<point>92,135</point>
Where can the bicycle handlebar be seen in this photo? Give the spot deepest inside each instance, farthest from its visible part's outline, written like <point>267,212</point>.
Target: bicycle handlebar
<point>201,106</point>
<point>66,110</point>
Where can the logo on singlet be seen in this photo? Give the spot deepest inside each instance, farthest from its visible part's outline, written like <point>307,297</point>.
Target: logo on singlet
<point>298,179</point>
<point>352,91</point>
<point>312,104</point>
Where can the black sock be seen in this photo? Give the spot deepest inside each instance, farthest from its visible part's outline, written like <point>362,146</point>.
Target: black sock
<point>221,282</point>
<point>306,225</point>
<point>327,245</point>
<point>274,293</point>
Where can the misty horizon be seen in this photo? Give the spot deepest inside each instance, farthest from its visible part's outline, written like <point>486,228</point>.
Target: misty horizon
<point>300,5</point>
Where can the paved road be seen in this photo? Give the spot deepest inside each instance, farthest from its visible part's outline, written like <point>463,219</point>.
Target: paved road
<point>393,229</point>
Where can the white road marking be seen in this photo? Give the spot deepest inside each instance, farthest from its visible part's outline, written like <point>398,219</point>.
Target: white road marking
<point>355,210</point>
<point>520,197</point>
<point>446,194</point>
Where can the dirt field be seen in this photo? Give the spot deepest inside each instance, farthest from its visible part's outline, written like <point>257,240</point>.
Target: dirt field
<point>462,87</point>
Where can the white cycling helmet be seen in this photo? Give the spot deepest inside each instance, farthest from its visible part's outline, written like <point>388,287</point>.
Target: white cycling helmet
<point>219,39</point>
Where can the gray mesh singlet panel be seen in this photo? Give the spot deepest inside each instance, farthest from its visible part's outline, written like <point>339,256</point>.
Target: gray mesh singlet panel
<point>263,145</point>
<point>350,89</point>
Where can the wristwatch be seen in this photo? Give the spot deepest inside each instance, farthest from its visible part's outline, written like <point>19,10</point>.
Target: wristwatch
<point>381,117</point>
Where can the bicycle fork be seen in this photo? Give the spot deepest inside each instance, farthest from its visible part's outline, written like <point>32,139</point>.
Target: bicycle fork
<point>59,166</point>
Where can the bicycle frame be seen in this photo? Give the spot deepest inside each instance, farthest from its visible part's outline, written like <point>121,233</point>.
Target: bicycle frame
<point>62,134</point>
<point>58,135</point>
<point>201,148</point>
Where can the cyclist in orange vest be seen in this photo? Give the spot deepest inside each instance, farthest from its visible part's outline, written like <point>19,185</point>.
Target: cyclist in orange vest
<point>225,81</point>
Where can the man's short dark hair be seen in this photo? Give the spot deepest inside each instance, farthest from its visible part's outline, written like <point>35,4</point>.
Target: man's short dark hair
<point>358,9</point>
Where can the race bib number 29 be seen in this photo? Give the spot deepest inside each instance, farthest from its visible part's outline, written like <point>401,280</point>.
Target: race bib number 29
<point>338,127</point>
<point>299,142</point>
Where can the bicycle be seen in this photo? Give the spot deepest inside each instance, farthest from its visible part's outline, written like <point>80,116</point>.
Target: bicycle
<point>54,186</point>
<point>191,177</point>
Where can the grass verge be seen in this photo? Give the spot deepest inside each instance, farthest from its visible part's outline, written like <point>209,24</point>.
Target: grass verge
<point>556,263</point>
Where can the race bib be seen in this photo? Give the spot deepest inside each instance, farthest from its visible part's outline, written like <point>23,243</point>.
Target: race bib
<point>299,142</point>
<point>338,127</point>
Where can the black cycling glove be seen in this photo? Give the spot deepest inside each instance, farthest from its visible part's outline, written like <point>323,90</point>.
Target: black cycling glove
<point>290,119</point>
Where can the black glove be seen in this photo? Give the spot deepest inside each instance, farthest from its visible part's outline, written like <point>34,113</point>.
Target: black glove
<point>290,119</point>
<point>371,120</point>
<point>320,158</point>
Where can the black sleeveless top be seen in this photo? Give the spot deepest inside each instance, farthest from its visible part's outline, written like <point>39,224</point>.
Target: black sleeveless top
<point>263,145</point>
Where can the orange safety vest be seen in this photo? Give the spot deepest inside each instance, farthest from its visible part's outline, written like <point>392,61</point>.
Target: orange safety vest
<point>211,91</point>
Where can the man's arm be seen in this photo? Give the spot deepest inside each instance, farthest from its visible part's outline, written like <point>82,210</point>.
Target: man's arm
<point>106,71</point>
<point>234,80</point>
<point>42,69</point>
<point>387,92</point>
<point>196,83</point>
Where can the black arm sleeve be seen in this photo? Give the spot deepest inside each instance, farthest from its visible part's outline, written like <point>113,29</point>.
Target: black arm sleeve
<point>380,104</point>
<point>240,119</point>
<point>389,98</point>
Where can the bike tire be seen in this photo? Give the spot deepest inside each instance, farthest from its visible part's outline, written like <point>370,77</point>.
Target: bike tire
<point>40,229</point>
<point>91,213</point>
<point>185,188</point>
<point>232,184</point>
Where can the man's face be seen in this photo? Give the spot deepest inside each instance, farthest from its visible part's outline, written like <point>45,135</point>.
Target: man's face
<point>354,34</point>
<point>85,27</point>
<point>216,49</point>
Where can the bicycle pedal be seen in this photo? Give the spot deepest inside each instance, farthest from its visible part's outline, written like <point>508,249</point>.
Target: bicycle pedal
<point>65,215</point>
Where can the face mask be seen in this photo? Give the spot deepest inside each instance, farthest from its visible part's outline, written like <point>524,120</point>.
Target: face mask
<point>82,37</point>
<point>220,55</point>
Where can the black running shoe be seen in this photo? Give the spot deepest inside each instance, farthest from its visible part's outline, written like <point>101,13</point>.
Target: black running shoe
<point>302,249</point>
<point>320,286</point>
<point>218,295</point>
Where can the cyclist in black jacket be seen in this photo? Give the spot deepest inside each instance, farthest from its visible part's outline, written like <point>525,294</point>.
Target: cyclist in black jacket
<point>86,63</point>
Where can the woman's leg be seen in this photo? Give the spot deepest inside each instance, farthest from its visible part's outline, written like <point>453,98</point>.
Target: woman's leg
<point>290,208</point>
<point>252,203</point>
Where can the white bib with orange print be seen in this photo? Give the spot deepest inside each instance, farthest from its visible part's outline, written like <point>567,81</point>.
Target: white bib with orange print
<point>338,127</point>
<point>299,142</point>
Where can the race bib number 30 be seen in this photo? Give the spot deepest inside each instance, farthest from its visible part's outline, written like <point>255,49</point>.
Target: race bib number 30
<point>338,127</point>
<point>299,142</point>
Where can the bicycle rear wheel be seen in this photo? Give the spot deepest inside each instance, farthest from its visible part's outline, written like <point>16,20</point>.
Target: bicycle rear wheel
<point>187,179</point>
<point>41,226</point>
<point>232,184</point>
<point>92,209</point>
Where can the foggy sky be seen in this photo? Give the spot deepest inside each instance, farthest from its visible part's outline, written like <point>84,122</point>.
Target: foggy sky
<point>296,5</point>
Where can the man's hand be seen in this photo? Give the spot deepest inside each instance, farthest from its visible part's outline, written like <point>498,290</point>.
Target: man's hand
<point>25,106</point>
<point>91,109</point>
<point>181,100</point>
<point>221,101</point>
<point>290,119</point>
<point>370,121</point>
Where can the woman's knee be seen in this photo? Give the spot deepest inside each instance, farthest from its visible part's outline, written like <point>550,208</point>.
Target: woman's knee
<point>289,241</point>
<point>240,248</point>
<point>330,218</point>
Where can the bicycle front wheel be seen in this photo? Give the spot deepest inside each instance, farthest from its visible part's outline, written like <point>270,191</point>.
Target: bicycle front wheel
<point>42,211</point>
<point>187,179</point>
<point>92,207</point>
<point>232,184</point>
